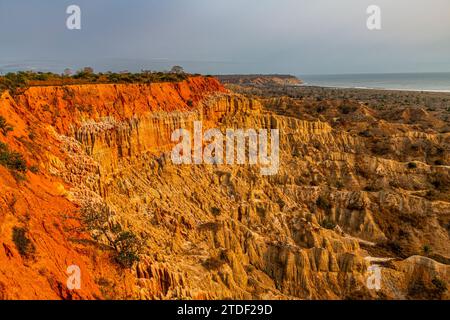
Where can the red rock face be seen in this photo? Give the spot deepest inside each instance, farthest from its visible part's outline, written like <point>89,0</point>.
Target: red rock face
<point>37,203</point>
<point>64,107</point>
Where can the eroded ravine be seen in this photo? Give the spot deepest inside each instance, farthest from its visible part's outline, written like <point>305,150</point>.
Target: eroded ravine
<point>211,231</point>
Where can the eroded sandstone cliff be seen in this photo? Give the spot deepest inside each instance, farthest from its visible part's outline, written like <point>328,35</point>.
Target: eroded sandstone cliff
<point>213,231</point>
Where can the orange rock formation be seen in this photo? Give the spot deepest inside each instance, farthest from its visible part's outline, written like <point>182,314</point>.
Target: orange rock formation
<point>206,231</point>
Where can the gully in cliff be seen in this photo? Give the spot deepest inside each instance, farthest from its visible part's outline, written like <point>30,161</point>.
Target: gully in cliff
<point>235,147</point>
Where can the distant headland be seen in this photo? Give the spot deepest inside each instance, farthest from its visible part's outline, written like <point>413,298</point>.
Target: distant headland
<point>260,79</point>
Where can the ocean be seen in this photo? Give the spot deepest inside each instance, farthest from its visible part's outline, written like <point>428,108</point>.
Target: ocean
<point>439,82</point>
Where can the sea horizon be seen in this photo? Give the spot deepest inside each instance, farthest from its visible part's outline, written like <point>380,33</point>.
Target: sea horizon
<point>413,81</point>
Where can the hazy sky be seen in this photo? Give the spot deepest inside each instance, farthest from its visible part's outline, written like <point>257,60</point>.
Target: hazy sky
<point>227,36</point>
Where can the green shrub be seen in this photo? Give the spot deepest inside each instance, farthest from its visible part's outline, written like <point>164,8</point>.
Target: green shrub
<point>323,203</point>
<point>366,133</point>
<point>11,159</point>
<point>34,169</point>
<point>340,185</point>
<point>412,165</point>
<point>440,285</point>
<point>23,244</point>
<point>18,176</point>
<point>31,135</point>
<point>441,181</point>
<point>346,109</point>
<point>4,126</point>
<point>426,249</point>
<point>126,245</point>
<point>15,81</point>
<point>328,224</point>
<point>215,211</point>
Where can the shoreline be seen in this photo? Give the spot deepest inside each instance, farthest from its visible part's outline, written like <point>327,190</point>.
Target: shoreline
<point>371,88</point>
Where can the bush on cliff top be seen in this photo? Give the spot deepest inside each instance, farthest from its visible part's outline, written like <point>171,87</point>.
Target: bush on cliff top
<point>19,80</point>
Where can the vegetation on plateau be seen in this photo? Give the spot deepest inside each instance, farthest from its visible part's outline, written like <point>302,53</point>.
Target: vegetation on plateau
<point>14,82</point>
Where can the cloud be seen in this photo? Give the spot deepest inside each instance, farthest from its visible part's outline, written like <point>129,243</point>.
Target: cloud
<point>289,36</point>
